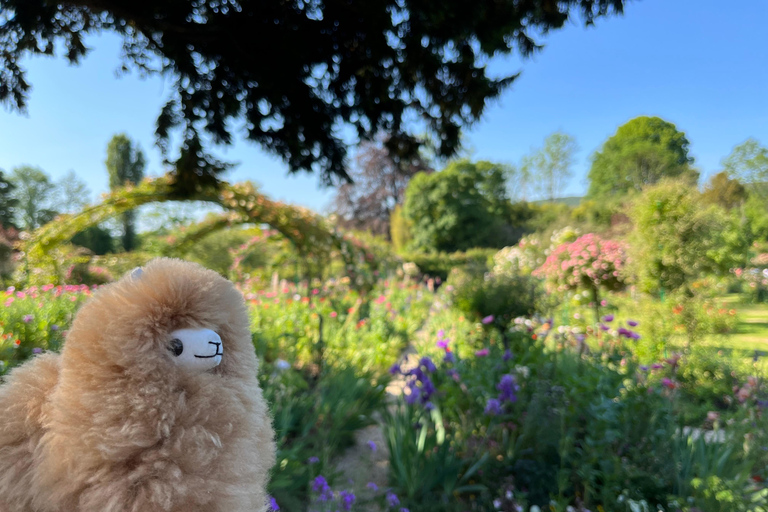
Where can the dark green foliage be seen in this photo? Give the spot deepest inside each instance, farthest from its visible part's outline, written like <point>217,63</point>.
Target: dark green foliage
<point>463,206</point>
<point>125,164</point>
<point>505,296</point>
<point>95,238</point>
<point>440,264</point>
<point>641,152</point>
<point>297,71</point>
<point>7,203</point>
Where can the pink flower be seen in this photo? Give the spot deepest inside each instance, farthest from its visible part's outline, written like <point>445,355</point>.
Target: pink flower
<point>482,352</point>
<point>487,320</point>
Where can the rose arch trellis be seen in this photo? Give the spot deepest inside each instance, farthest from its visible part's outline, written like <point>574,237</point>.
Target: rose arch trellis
<point>309,233</point>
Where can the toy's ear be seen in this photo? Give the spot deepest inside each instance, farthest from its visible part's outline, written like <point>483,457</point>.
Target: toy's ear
<point>137,273</point>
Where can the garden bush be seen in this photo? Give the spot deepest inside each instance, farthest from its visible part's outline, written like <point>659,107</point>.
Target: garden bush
<point>440,264</point>
<point>500,296</point>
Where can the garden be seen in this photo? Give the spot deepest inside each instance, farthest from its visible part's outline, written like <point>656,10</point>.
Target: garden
<point>617,368</point>
<point>451,334</point>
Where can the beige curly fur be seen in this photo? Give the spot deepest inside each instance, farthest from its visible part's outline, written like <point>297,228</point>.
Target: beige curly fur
<point>111,425</point>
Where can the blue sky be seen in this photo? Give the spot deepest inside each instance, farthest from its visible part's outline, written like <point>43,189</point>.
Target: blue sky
<point>700,64</point>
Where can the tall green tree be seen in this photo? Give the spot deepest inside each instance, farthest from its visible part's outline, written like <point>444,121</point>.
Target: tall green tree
<point>125,164</point>
<point>549,168</point>
<point>35,193</point>
<point>748,163</point>
<point>7,203</point>
<point>642,152</point>
<point>463,206</point>
<point>297,72</point>
<point>73,193</point>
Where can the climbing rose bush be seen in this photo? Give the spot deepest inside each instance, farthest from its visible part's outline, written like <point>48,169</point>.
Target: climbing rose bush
<point>589,263</point>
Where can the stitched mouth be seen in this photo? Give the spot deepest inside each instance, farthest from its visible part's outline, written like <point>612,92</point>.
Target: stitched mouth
<point>214,355</point>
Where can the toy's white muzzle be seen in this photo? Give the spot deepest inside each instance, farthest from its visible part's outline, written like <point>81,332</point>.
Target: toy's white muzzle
<point>196,350</point>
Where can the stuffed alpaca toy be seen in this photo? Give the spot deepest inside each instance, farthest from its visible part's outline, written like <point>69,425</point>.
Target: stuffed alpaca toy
<point>153,404</point>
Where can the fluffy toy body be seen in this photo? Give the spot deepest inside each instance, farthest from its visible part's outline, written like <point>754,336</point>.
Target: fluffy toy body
<point>117,424</point>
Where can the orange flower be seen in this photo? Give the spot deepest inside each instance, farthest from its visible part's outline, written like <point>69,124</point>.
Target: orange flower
<point>677,309</point>
<point>534,336</point>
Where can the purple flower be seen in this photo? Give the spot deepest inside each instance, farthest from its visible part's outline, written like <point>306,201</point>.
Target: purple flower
<point>428,365</point>
<point>36,350</point>
<point>417,373</point>
<point>429,406</point>
<point>392,499</point>
<point>608,318</point>
<point>371,445</point>
<point>604,327</point>
<point>319,483</point>
<point>403,509</point>
<point>273,504</point>
<point>624,332</point>
<point>443,343</point>
<point>394,369</point>
<point>313,460</point>
<point>634,335</point>
<point>507,355</point>
<point>28,318</point>
<point>487,320</point>
<point>507,389</point>
<point>449,357</point>
<point>372,486</point>
<point>54,327</point>
<point>643,368</point>
<point>347,500</point>
<point>482,353</point>
<point>657,366</point>
<point>427,389</point>
<point>441,334</point>
<point>493,407</point>
<point>411,398</point>
<point>632,323</point>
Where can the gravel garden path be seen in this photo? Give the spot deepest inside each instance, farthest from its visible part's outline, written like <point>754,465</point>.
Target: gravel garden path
<point>362,465</point>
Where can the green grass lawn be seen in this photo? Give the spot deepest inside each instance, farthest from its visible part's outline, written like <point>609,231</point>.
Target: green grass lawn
<point>750,336</point>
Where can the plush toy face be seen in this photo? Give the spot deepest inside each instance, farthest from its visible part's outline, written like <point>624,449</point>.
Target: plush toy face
<point>196,350</point>
<point>169,320</point>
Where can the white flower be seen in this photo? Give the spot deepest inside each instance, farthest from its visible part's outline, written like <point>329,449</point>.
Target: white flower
<point>508,495</point>
<point>282,365</point>
<point>535,508</point>
<point>497,503</point>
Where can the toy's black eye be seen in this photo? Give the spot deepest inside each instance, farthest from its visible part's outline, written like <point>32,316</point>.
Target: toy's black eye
<point>176,346</point>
